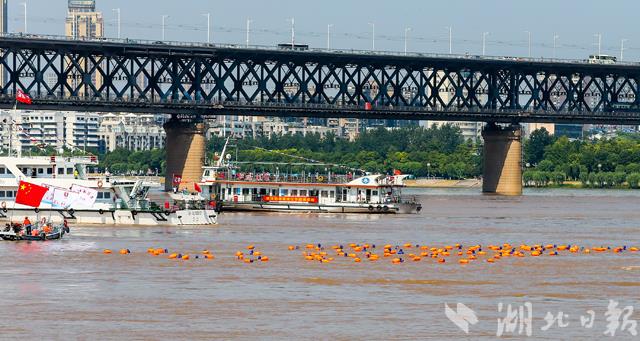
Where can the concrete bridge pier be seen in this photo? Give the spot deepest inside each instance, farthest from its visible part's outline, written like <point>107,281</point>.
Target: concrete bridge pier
<point>185,145</point>
<point>502,160</point>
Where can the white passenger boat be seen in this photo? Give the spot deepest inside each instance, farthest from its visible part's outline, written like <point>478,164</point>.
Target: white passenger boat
<point>250,191</point>
<point>116,201</point>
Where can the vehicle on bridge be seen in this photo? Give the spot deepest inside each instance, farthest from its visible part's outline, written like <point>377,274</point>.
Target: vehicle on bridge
<point>601,59</point>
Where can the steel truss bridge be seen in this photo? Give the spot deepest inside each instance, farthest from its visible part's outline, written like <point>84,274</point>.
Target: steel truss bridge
<point>207,79</point>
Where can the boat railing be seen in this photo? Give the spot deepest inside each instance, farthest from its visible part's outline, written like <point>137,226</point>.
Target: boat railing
<point>294,178</point>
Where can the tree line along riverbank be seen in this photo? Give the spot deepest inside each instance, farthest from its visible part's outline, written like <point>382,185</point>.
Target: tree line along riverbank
<point>432,152</point>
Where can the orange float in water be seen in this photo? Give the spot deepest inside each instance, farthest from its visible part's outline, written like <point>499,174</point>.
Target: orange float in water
<point>535,253</point>
<point>491,260</point>
<point>257,253</point>
<point>441,260</point>
<point>185,257</point>
<point>107,251</point>
<point>264,258</point>
<point>291,247</point>
<point>395,260</point>
<point>247,260</point>
<point>310,246</point>
<point>472,257</point>
<point>463,261</point>
<point>416,259</point>
<point>407,245</point>
<point>308,257</point>
<point>173,256</point>
<point>124,251</point>
<point>357,249</point>
<point>357,260</point>
<point>159,251</point>
<point>208,256</point>
<point>587,251</point>
<point>150,250</point>
<point>633,249</point>
<point>250,247</point>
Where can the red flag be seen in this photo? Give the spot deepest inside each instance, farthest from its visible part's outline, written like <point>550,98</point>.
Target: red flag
<point>30,194</point>
<point>197,187</point>
<point>22,97</point>
<point>397,172</point>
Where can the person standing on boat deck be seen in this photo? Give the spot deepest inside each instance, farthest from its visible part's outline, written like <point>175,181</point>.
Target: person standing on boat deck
<point>75,174</point>
<point>27,225</point>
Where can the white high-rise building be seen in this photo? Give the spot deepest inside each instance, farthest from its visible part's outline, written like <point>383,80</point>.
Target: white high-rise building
<point>23,130</point>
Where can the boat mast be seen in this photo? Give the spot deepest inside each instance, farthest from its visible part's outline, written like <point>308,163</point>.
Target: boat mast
<point>224,150</point>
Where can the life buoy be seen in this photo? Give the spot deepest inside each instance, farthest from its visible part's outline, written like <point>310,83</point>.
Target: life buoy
<point>385,208</point>
<point>100,184</point>
<point>72,211</point>
<point>37,210</point>
<point>166,212</point>
<point>379,208</point>
<point>321,178</point>
<point>101,211</point>
<point>370,208</point>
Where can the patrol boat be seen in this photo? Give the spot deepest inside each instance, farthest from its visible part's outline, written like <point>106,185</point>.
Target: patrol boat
<point>263,191</point>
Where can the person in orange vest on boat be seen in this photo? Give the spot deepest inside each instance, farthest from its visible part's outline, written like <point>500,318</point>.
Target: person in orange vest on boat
<point>47,229</point>
<point>27,225</point>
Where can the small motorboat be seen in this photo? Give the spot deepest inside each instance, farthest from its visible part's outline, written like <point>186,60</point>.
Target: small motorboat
<point>47,231</point>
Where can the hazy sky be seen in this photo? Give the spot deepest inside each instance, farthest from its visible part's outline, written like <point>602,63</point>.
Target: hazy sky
<point>574,21</point>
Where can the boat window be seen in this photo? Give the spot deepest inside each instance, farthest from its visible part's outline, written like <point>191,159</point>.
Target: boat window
<point>40,170</point>
<point>69,170</point>
<point>49,171</point>
<point>245,191</point>
<point>229,191</point>
<point>284,192</point>
<point>332,194</point>
<point>374,193</point>
<point>303,192</point>
<point>274,192</point>
<point>107,195</point>
<point>2,194</point>
<point>60,170</point>
<point>207,172</point>
<point>294,192</point>
<point>324,194</point>
<point>100,195</point>
<point>3,170</point>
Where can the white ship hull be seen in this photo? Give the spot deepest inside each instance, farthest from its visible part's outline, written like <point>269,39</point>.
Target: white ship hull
<point>115,217</point>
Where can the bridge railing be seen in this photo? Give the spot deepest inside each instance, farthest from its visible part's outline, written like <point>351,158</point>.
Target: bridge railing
<point>182,44</point>
<point>267,106</point>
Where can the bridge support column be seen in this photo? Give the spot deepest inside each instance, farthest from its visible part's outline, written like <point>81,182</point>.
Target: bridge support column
<point>185,146</point>
<point>502,160</point>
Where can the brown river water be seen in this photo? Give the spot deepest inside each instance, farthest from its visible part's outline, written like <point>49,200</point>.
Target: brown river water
<point>70,289</point>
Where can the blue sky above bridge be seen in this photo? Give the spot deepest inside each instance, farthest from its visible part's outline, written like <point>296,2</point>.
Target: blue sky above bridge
<point>575,22</point>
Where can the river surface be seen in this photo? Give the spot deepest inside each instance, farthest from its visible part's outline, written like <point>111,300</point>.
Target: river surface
<point>70,289</point>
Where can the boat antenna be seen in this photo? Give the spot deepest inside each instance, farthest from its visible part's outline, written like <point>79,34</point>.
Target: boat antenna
<point>224,150</point>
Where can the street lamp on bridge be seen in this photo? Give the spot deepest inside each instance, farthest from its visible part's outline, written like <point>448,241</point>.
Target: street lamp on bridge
<point>164,18</point>
<point>117,10</point>
<point>484,40</point>
<point>406,37</point>
<point>373,36</point>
